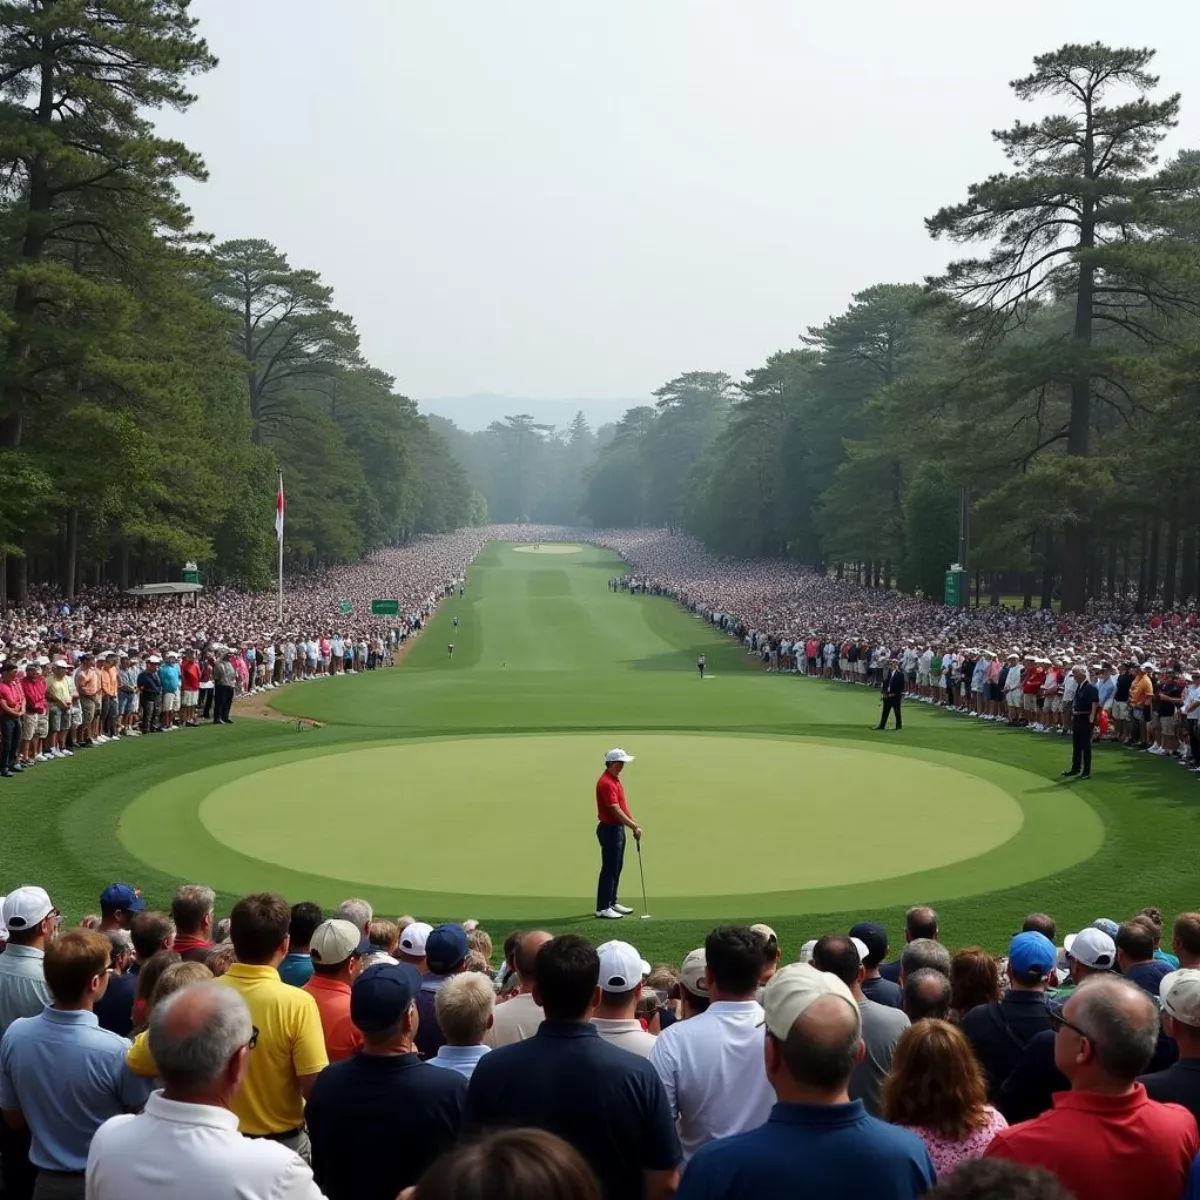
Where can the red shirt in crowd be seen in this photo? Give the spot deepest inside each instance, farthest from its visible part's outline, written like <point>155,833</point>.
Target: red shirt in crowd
<point>1107,1147</point>
<point>610,791</point>
<point>189,672</point>
<point>13,697</point>
<point>35,694</point>
<point>1031,684</point>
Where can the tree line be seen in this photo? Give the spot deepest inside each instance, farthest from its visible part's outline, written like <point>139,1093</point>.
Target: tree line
<point>152,382</point>
<point>1046,386</point>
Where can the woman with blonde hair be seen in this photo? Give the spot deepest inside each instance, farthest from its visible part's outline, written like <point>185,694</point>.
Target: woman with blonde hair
<point>936,1088</point>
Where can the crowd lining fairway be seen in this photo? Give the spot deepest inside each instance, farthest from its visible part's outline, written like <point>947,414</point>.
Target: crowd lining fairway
<point>464,787</point>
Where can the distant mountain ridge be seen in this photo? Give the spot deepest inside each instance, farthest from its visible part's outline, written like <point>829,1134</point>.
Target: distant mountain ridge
<point>478,412</point>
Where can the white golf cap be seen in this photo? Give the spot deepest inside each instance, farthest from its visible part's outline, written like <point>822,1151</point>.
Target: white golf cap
<point>806,951</point>
<point>1092,947</point>
<point>792,989</point>
<point>25,908</point>
<point>61,662</point>
<point>693,973</point>
<point>412,940</point>
<point>154,659</point>
<point>617,755</point>
<point>622,968</point>
<point>861,947</point>
<point>1180,995</point>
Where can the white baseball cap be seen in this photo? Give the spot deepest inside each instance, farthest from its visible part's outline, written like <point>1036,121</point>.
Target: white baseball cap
<point>1092,947</point>
<point>622,968</point>
<point>412,940</point>
<point>25,908</point>
<point>861,947</point>
<point>1180,994</point>
<point>617,755</point>
<point>806,951</point>
<point>791,990</point>
<point>693,973</point>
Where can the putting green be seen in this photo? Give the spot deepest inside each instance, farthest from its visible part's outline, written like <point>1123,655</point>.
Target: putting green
<point>548,548</point>
<point>430,817</point>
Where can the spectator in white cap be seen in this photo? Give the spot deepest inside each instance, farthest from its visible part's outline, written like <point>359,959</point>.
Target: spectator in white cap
<point>882,1025</point>
<point>411,947</point>
<point>35,725</point>
<point>692,989</point>
<point>31,920</point>
<point>58,701</point>
<point>1090,951</point>
<point>712,1064</point>
<point>465,1005</point>
<point>1180,1082</point>
<point>622,970</point>
<point>150,693</point>
<point>186,1144</point>
<point>519,1018</point>
<point>338,949</point>
<point>817,1141</point>
<point>171,680</point>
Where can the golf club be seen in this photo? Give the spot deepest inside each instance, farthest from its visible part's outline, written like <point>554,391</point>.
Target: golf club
<point>642,873</point>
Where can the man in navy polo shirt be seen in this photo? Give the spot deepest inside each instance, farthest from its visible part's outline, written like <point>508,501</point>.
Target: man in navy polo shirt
<point>818,1142</point>
<point>445,955</point>
<point>359,1107</point>
<point>920,921</point>
<point>607,1103</point>
<point>1000,1031</point>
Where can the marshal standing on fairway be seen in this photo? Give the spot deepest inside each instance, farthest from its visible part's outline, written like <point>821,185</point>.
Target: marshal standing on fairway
<point>612,813</point>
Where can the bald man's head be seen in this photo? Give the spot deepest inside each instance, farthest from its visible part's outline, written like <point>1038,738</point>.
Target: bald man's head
<point>823,1045</point>
<point>525,958</point>
<point>195,1033</point>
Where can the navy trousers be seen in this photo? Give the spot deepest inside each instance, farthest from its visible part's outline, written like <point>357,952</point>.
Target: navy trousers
<point>612,859</point>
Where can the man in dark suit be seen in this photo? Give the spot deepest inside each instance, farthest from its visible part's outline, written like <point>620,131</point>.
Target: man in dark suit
<point>893,693</point>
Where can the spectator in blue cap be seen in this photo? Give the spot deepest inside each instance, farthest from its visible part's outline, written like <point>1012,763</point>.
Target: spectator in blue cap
<point>119,904</point>
<point>360,1106</point>
<point>445,955</point>
<point>874,986</point>
<point>1000,1031</point>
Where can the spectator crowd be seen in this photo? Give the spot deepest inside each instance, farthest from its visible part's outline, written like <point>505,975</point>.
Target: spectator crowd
<point>288,1053</point>
<point>105,666</point>
<point>282,1051</point>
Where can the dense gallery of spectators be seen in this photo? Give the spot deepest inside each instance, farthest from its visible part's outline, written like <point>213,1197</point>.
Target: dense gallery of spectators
<point>285,1052</point>
<point>81,673</point>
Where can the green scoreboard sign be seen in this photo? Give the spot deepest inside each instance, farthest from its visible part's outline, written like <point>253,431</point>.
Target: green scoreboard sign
<point>385,608</point>
<point>953,593</point>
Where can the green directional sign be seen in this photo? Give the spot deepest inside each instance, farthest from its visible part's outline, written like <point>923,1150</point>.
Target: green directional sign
<point>385,608</point>
<point>346,607</point>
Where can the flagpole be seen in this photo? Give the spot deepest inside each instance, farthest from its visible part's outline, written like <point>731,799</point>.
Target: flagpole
<point>280,539</point>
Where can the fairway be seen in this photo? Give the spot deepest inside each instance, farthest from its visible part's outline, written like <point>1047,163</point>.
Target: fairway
<point>754,795</point>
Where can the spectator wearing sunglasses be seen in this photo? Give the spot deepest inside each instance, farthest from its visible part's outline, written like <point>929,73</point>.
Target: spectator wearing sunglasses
<point>186,1143</point>
<point>1105,1137</point>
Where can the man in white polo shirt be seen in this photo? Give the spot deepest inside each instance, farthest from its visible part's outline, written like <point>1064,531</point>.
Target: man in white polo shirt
<point>186,1144</point>
<point>712,1064</point>
<point>622,970</point>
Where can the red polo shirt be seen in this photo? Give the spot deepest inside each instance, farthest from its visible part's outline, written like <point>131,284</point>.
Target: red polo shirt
<point>610,791</point>
<point>1107,1147</point>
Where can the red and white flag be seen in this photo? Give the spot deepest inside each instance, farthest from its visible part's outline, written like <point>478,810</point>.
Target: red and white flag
<point>279,510</point>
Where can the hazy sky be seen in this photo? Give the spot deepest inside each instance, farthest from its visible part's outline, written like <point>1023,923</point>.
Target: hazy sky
<point>548,198</point>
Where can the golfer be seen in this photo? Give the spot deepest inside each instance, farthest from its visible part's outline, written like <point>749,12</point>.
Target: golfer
<point>612,815</point>
<point>701,663</point>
